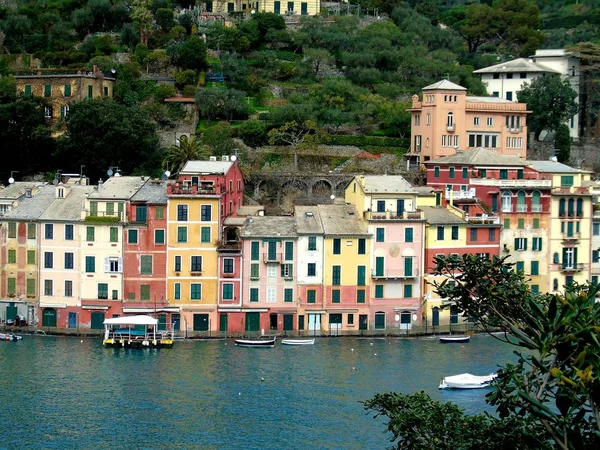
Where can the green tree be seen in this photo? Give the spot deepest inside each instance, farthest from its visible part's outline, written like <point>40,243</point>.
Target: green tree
<point>562,142</point>
<point>550,397</point>
<point>300,136</point>
<point>253,133</point>
<point>163,91</point>
<point>141,13</point>
<point>190,54</point>
<point>552,101</point>
<point>318,59</point>
<point>589,52</point>
<point>189,149</point>
<point>164,19</point>
<point>8,89</point>
<point>221,103</point>
<point>102,133</point>
<point>219,139</point>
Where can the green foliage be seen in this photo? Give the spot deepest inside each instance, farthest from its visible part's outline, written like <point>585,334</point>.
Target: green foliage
<point>163,91</point>
<point>552,101</point>
<point>375,141</point>
<point>219,139</point>
<point>189,149</point>
<point>8,89</point>
<point>562,142</point>
<point>190,54</point>
<point>164,19</point>
<point>221,103</point>
<point>301,136</point>
<point>253,133</point>
<point>185,77</point>
<point>101,219</point>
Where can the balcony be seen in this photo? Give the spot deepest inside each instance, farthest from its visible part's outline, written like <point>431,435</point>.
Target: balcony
<point>507,208</point>
<point>571,267</point>
<point>571,237</point>
<point>394,274</point>
<point>483,220</point>
<point>229,247</point>
<point>418,148</point>
<point>101,217</point>
<point>461,195</point>
<point>521,208</point>
<point>389,215</point>
<point>450,127</point>
<point>196,273</point>
<point>228,275</point>
<point>271,257</point>
<point>536,208</point>
<point>186,189</point>
<point>514,130</point>
<point>510,183</point>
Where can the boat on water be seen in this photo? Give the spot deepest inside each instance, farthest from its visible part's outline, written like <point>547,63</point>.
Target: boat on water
<point>10,337</point>
<point>298,341</point>
<point>454,339</point>
<point>467,381</point>
<point>270,342</point>
<point>136,332</point>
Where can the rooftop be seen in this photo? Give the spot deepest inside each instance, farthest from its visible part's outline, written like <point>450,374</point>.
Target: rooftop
<point>269,227</point>
<point>308,220</point>
<point>388,184</point>
<point>439,215</point>
<point>154,192</point>
<point>479,157</point>
<point>517,65</point>
<point>342,220</point>
<point>17,189</point>
<point>122,188</point>
<point>31,208</point>
<point>553,167</point>
<point>251,210</point>
<point>69,207</point>
<point>444,85</point>
<point>551,52</point>
<point>206,167</point>
<point>472,99</point>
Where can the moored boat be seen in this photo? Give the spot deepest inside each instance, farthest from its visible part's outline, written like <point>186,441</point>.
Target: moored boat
<point>10,337</point>
<point>256,342</point>
<point>454,339</point>
<point>298,341</point>
<point>467,381</point>
<point>135,331</point>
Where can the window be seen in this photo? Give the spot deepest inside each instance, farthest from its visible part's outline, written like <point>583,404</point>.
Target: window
<point>488,140</point>
<point>535,268</point>
<point>520,267</point>
<point>68,232</point>
<point>12,230</point>
<point>30,256</point>
<point>195,291</point>
<point>287,271</point>
<point>440,233</point>
<point>450,120</point>
<point>360,296</point>
<point>595,256</point>
<point>465,172</point>
<point>289,251</point>
<point>311,296</point>
<point>196,264</point>
<point>408,234</point>
<point>254,251</point>
<point>132,236</point>
<point>48,231</point>
<point>112,264</point>
<point>335,296</point>
<point>227,291</point>
<point>11,284</point>
<point>380,206</point>
<point>455,232</point>
<point>182,213</point>
<point>520,244</point>
<point>417,119</point>
<point>408,266</point>
<point>144,292</point>
<point>596,228</point>
<point>537,244</point>
<point>68,288</point>
<point>362,246</point>
<point>159,236</point>
<point>177,263</point>
<point>182,235</point>
<point>506,201</point>
<point>337,246</point>
<point>474,234</point>
<point>47,90</point>
<point>48,115</point>
<point>254,271</point>
<point>361,275</point>
<point>48,260</point>
<point>311,269</point>
<point>67,90</point>
<point>312,242</point>
<point>476,121</point>
<point>271,294</point>
<point>90,264</point>
<point>206,213</point>
<point>509,94</point>
<point>566,180</point>
<point>379,291</point>
<point>177,291</point>
<point>31,231</point>
<point>408,291</point>
<point>350,319</point>
<point>27,91</point>
<point>103,291</point>
<point>492,234</point>
<point>290,6</point>
<point>90,234</point>
<point>114,234</point>
<point>90,91</point>
<point>436,172</point>
<point>428,118</point>
<point>205,235</point>
<point>253,294</point>
<point>276,7</point>
<point>336,275</point>
<point>521,224</point>
<point>228,265</point>
<point>160,212</point>
<point>380,234</point>
<point>146,265</point>
<point>451,172</point>
<point>48,288</point>
<point>490,121</point>
<point>69,260</point>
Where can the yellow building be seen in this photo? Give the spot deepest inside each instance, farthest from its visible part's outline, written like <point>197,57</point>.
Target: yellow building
<point>288,8</point>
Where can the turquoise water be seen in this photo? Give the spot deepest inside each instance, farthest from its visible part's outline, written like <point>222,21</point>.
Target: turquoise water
<point>63,393</point>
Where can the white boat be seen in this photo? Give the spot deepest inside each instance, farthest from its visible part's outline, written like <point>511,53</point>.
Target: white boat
<point>10,337</point>
<point>255,342</point>
<point>454,339</point>
<point>135,331</point>
<point>467,381</point>
<point>298,341</point>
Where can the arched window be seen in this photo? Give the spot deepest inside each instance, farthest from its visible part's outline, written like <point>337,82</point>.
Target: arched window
<point>536,205</point>
<point>521,206</point>
<point>450,120</point>
<point>561,207</point>
<point>405,320</point>
<point>555,284</point>
<point>506,201</point>
<point>556,258</point>
<point>579,207</point>
<point>571,207</point>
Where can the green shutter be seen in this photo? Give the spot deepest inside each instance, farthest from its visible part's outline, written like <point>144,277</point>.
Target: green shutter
<point>335,296</point>
<point>254,251</point>
<point>254,270</point>
<point>159,236</point>
<point>289,251</point>
<point>379,291</point>
<point>30,286</point>
<point>360,296</point>
<point>361,276</point>
<point>11,284</point>
<point>47,90</point>
<point>253,294</point>
<point>30,256</point>
<point>114,234</point>
<point>67,90</point>
<point>408,267</point>
<point>311,296</point>
<point>160,212</point>
<point>408,235</point>
<point>205,235</point>
<point>27,90</point>
<point>535,268</point>
<point>436,172</point>
<point>31,231</point>
<point>408,291</point>
<point>177,291</point>
<point>90,232</point>
<point>146,265</point>
<point>12,256</point>
<point>145,292</point>
<point>90,91</point>
<point>288,295</point>
<point>379,266</point>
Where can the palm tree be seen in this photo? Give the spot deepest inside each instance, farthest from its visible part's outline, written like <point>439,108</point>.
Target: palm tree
<point>189,149</point>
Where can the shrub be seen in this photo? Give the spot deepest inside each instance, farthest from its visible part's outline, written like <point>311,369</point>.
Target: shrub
<point>253,133</point>
<point>163,91</point>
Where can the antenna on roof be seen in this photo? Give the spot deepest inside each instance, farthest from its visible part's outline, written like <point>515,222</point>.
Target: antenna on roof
<point>11,180</point>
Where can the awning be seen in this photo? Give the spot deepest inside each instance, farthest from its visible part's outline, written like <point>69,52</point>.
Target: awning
<point>407,308</point>
<point>53,305</point>
<point>198,309</point>
<point>131,320</point>
<point>286,311</point>
<point>102,307</point>
<point>12,301</point>
<point>174,309</point>
<point>330,311</point>
<point>316,311</point>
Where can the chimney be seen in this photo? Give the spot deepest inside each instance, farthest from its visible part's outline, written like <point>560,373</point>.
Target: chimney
<point>100,183</point>
<point>28,193</point>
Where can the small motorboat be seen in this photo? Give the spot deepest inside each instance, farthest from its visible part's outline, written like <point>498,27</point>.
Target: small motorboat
<point>454,339</point>
<point>298,341</point>
<point>10,337</point>
<point>256,342</point>
<point>467,381</point>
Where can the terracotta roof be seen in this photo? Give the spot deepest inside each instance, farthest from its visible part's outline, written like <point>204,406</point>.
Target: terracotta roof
<point>179,99</point>
<point>367,155</point>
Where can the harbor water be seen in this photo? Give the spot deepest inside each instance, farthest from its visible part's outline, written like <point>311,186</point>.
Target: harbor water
<point>66,393</point>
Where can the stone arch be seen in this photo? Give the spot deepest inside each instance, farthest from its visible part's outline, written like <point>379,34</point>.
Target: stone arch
<point>321,187</point>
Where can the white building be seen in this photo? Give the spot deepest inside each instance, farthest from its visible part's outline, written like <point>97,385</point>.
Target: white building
<point>506,79</point>
<point>309,268</point>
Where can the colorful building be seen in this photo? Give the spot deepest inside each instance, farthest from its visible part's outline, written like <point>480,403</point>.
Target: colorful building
<point>446,119</point>
<point>389,205</point>
<point>292,8</point>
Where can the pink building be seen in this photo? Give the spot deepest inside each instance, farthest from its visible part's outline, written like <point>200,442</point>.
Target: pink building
<point>446,119</point>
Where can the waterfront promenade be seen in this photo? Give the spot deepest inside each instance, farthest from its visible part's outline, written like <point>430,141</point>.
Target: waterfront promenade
<point>72,393</point>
